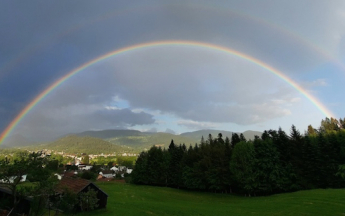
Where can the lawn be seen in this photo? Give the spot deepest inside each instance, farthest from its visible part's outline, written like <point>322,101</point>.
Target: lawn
<point>128,199</point>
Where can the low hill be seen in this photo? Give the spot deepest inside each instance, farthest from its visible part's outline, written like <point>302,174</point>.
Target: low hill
<point>146,141</point>
<point>89,145</point>
<point>250,135</point>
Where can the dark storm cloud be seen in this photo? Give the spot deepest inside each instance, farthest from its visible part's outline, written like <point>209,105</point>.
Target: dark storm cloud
<point>41,41</point>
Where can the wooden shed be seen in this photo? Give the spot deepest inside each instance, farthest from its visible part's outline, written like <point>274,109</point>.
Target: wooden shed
<point>78,185</point>
<point>23,207</point>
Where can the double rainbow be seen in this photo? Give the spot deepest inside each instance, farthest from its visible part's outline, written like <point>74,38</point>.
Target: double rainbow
<point>57,83</point>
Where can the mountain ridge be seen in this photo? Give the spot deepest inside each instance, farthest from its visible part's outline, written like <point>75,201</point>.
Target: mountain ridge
<point>123,140</point>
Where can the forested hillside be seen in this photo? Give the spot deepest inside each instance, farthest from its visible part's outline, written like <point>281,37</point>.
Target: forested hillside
<point>146,141</point>
<point>89,145</point>
<point>278,161</point>
<point>142,140</point>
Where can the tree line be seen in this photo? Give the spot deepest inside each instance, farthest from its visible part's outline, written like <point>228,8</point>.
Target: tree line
<point>273,163</point>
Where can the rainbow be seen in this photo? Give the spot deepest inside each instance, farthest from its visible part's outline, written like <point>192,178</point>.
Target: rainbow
<point>57,83</point>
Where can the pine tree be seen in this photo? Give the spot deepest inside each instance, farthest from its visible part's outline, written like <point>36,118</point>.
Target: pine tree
<point>220,139</point>
<point>235,139</point>
<point>140,171</point>
<point>242,138</point>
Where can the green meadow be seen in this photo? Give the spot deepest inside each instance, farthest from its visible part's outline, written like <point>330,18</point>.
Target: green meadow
<point>128,199</point>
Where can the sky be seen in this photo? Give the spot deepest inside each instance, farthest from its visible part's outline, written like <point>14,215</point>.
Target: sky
<point>171,88</point>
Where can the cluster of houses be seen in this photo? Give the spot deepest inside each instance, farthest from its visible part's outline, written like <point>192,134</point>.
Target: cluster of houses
<point>48,152</point>
<point>113,172</point>
<point>107,174</point>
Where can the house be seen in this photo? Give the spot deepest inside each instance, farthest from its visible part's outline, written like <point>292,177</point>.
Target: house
<point>70,174</point>
<point>58,176</point>
<point>99,177</point>
<point>129,171</point>
<point>84,167</point>
<point>12,178</point>
<point>77,186</point>
<point>122,168</point>
<point>114,168</point>
<point>77,161</point>
<point>107,173</point>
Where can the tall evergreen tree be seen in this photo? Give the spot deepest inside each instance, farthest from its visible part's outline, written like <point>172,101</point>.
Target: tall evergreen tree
<point>235,139</point>
<point>242,138</point>
<point>220,138</point>
<point>175,165</point>
<point>140,171</point>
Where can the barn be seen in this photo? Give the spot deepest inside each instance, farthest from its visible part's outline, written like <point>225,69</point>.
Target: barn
<point>78,185</point>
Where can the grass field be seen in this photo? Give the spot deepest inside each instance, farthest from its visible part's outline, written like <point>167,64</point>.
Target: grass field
<point>127,199</point>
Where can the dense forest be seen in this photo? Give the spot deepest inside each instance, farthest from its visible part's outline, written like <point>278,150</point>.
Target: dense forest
<point>273,163</point>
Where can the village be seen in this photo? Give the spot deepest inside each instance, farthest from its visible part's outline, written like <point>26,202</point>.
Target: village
<point>81,163</point>
<point>78,174</point>
<point>48,152</point>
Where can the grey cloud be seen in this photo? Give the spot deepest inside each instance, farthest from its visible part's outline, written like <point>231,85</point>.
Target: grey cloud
<point>47,124</point>
<point>123,116</point>
<point>174,82</point>
<point>240,114</point>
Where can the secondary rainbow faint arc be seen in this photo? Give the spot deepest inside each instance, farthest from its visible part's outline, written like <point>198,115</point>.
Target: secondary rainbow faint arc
<point>57,83</point>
